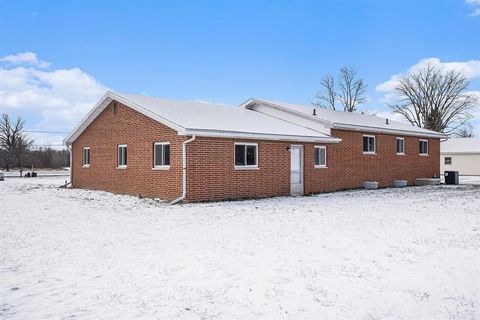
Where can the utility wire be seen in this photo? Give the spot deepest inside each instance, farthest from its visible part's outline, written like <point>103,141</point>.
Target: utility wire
<point>41,131</point>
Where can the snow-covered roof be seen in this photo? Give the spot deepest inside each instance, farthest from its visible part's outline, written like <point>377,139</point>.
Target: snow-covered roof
<point>460,146</point>
<point>348,120</point>
<point>206,119</point>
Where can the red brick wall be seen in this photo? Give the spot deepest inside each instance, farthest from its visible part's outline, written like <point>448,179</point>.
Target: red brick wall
<point>348,167</point>
<point>211,173</point>
<point>139,133</point>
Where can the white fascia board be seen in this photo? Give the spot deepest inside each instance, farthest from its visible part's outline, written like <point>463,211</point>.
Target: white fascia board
<point>259,136</point>
<point>103,103</point>
<point>349,127</point>
<point>473,153</point>
<point>92,114</point>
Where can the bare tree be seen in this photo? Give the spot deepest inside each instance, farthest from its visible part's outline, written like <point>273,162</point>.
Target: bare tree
<point>13,142</point>
<point>465,131</point>
<point>327,97</point>
<point>435,99</point>
<point>351,92</point>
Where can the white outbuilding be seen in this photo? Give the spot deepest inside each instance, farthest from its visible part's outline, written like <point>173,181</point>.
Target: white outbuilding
<point>462,155</point>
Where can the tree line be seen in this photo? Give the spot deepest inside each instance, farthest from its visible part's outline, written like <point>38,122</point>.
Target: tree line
<point>16,148</point>
<point>429,97</point>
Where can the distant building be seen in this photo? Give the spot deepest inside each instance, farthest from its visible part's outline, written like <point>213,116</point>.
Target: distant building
<point>462,155</point>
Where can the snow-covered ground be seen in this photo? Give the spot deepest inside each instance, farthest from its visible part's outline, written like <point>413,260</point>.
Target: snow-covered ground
<point>410,253</point>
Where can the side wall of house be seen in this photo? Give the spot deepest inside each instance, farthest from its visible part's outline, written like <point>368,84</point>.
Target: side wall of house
<point>212,174</point>
<point>139,133</point>
<point>348,167</point>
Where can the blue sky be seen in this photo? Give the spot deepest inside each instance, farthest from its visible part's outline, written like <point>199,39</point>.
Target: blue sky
<point>227,51</point>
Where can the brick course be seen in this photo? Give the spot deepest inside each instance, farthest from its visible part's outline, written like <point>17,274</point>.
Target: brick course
<point>210,162</point>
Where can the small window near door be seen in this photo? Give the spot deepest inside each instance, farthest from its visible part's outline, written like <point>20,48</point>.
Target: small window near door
<point>86,157</point>
<point>161,155</point>
<point>122,156</point>
<point>400,146</point>
<point>320,157</point>
<point>246,155</point>
<point>448,160</point>
<point>423,147</point>
<point>369,144</point>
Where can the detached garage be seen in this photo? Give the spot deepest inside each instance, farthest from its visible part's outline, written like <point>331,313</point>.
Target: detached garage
<point>462,155</point>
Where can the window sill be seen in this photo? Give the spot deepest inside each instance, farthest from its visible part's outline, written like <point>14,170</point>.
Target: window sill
<point>161,168</point>
<point>401,154</point>
<point>246,168</point>
<point>370,153</point>
<point>321,167</point>
<point>424,155</point>
<point>86,166</point>
<point>122,167</point>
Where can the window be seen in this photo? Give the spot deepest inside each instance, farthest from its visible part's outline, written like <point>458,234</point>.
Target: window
<point>448,160</point>
<point>246,155</point>
<point>368,144</point>
<point>161,155</point>
<point>86,157</point>
<point>423,147</point>
<point>320,156</point>
<point>122,156</point>
<point>400,146</point>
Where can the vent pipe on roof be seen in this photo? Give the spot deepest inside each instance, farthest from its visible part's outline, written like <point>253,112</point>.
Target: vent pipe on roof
<point>314,111</point>
<point>386,121</point>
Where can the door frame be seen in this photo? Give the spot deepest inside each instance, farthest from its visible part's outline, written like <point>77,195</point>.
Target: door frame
<point>302,169</point>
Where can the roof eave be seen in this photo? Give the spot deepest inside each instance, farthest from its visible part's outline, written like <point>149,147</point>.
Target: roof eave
<point>431,134</point>
<point>260,136</point>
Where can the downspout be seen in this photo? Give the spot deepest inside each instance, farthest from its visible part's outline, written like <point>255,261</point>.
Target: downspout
<point>184,170</point>
<point>71,163</point>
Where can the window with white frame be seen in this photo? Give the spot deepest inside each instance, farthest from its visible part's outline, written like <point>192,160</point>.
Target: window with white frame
<point>423,147</point>
<point>369,144</point>
<point>122,156</point>
<point>161,154</point>
<point>448,160</point>
<point>86,157</point>
<point>400,146</point>
<point>246,155</point>
<point>320,156</point>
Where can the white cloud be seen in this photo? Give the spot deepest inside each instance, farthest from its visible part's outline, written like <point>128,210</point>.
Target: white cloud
<point>476,7</point>
<point>470,69</point>
<point>56,99</point>
<point>25,58</point>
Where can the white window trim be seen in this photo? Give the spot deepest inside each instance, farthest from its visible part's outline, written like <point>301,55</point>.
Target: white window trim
<point>83,157</point>
<point>162,167</point>
<point>118,154</point>
<point>319,166</point>
<point>374,144</point>
<point>428,148</point>
<point>400,153</point>
<point>246,167</point>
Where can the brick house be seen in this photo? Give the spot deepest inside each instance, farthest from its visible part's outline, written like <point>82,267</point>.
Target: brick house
<point>190,151</point>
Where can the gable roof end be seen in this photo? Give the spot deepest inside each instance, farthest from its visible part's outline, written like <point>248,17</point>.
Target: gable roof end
<point>346,120</point>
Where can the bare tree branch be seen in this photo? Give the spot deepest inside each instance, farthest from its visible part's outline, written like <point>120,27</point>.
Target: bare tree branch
<point>326,98</point>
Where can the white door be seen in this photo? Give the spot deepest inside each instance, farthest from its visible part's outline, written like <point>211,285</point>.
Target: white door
<point>296,170</point>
